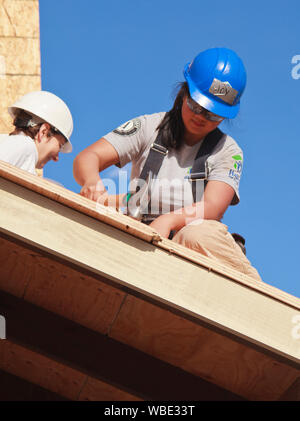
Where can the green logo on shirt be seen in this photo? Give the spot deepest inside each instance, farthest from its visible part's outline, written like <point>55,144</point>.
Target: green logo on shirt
<point>235,173</point>
<point>238,162</point>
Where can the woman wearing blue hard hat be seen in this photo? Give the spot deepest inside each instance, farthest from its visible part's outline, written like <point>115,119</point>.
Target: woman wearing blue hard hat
<point>178,154</point>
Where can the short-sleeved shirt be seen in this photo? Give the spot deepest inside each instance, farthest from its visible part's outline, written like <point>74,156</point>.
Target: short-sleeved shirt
<point>20,151</point>
<point>133,140</point>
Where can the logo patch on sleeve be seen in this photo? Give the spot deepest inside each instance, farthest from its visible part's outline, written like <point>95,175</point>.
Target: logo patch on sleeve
<point>128,128</point>
<point>235,172</point>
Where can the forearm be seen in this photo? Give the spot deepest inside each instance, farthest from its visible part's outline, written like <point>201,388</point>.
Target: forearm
<point>199,210</point>
<point>86,167</point>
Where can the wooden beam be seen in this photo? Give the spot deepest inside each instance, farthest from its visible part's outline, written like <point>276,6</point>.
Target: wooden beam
<point>115,219</point>
<point>77,202</point>
<point>169,280</point>
<point>116,365</point>
<point>205,353</point>
<point>48,283</point>
<point>293,393</point>
<point>41,370</point>
<point>168,297</point>
<point>54,376</point>
<point>145,327</point>
<point>13,388</point>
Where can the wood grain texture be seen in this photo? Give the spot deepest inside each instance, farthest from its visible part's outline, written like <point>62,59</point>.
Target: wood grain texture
<point>77,202</point>
<point>55,376</point>
<point>201,352</point>
<point>57,288</point>
<point>293,393</point>
<point>72,295</point>
<point>95,390</point>
<point>139,230</point>
<point>101,357</point>
<point>14,273</point>
<point>195,257</point>
<point>41,370</point>
<point>13,388</point>
<point>165,278</point>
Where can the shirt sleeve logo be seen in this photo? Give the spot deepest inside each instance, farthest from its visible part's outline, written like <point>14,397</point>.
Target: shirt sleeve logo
<point>235,172</point>
<point>128,128</point>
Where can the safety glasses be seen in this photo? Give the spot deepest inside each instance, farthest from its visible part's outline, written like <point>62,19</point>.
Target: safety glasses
<point>197,109</point>
<point>56,131</point>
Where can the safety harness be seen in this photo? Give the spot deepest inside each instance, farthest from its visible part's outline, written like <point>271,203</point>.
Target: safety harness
<point>157,153</point>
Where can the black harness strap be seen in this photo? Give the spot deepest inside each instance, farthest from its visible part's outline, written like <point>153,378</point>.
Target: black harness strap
<point>149,172</point>
<point>154,159</point>
<point>158,152</point>
<point>199,170</point>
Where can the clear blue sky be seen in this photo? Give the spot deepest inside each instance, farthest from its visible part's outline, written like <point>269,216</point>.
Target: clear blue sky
<point>112,61</point>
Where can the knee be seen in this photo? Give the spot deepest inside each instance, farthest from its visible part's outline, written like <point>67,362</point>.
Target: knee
<point>200,234</point>
<point>186,233</point>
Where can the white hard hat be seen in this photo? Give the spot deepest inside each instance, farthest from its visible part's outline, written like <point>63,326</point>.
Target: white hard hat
<point>49,108</point>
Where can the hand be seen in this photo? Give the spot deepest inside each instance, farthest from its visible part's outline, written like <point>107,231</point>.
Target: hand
<point>164,224</point>
<point>95,190</point>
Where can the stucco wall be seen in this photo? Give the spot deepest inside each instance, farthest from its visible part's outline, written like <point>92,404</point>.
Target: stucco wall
<point>20,70</point>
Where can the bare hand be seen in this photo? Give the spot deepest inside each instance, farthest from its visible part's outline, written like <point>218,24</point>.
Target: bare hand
<point>94,190</point>
<point>163,225</point>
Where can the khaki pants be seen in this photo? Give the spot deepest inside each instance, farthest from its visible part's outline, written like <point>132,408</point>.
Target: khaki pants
<point>212,239</point>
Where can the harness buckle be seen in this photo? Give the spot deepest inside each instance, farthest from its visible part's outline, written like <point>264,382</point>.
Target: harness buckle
<point>159,148</point>
<point>202,175</point>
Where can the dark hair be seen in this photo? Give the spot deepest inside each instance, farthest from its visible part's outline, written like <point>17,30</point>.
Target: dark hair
<point>172,128</point>
<point>21,126</point>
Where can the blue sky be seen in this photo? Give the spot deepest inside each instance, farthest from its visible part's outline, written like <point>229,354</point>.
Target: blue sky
<point>112,61</point>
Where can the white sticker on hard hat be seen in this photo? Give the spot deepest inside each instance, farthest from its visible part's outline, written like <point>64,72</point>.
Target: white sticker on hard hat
<point>128,128</point>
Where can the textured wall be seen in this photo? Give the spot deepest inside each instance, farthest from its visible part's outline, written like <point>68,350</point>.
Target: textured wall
<point>20,70</point>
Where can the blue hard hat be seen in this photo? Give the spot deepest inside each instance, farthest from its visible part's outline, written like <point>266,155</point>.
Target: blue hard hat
<point>216,80</point>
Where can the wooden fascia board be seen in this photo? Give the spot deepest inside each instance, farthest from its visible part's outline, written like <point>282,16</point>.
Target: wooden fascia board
<point>126,224</point>
<point>70,292</point>
<point>101,357</point>
<point>169,280</point>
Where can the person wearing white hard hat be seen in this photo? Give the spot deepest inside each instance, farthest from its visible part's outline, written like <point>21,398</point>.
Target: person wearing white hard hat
<point>43,127</point>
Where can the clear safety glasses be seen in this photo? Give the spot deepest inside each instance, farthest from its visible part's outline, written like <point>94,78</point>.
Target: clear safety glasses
<point>56,131</point>
<point>197,109</point>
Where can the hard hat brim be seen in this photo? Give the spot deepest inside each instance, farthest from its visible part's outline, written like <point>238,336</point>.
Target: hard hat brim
<point>67,147</point>
<point>214,106</point>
